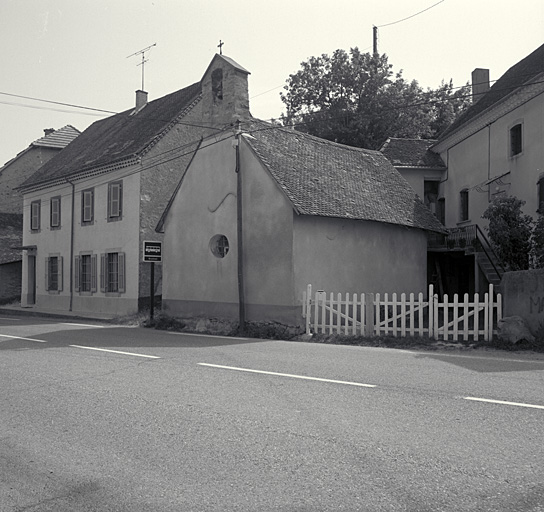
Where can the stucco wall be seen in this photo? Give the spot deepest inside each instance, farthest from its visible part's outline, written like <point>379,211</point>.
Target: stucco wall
<point>102,236</point>
<point>486,154</point>
<point>341,255</point>
<point>198,283</point>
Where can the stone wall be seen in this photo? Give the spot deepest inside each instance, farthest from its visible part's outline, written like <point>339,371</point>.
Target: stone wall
<point>523,295</point>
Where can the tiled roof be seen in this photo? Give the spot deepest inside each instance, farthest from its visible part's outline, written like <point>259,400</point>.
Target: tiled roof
<point>11,234</point>
<point>58,138</point>
<point>411,153</point>
<point>522,72</point>
<point>327,179</point>
<point>118,137</point>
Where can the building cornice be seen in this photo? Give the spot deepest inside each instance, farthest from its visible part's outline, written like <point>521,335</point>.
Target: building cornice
<point>510,102</point>
<point>81,175</point>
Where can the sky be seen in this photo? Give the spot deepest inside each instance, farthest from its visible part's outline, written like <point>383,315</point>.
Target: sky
<point>80,52</point>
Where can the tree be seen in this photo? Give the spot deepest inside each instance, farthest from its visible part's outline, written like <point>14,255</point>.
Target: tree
<point>356,99</point>
<point>537,240</point>
<point>510,231</point>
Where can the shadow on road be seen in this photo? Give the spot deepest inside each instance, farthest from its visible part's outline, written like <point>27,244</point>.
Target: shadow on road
<point>488,363</point>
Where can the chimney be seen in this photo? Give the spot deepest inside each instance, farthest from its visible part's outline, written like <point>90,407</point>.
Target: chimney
<point>48,131</point>
<point>480,83</point>
<point>141,100</point>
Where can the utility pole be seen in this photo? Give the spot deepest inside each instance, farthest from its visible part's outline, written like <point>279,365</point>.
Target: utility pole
<point>375,39</point>
<point>239,227</point>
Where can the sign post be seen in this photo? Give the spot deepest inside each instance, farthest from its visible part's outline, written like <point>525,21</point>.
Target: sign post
<point>152,253</point>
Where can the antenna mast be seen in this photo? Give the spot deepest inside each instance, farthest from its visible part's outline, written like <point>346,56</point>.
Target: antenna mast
<point>144,60</point>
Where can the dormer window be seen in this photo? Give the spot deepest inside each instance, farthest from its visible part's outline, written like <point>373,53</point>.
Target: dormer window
<point>217,85</point>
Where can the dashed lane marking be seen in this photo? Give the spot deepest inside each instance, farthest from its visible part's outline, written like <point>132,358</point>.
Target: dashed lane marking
<point>21,338</point>
<point>289,375</point>
<point>502,402</point>
<point>116,351</point>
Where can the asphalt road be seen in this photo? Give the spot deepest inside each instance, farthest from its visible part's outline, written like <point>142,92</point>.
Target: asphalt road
<point>102,418</point>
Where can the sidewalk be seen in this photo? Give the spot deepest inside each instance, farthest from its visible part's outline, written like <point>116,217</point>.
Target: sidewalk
<point>11,309</point>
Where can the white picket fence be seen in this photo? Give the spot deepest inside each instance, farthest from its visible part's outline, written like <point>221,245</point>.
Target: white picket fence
<point>401,315</point>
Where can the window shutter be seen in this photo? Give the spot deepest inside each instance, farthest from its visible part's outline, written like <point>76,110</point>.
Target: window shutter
<point>93,273</point>
<point>46,274</point>
<point>77,273</point>
<point>60,279</point>
<point>121,270</point>
<point>103,272</point>
<point>120,190</point>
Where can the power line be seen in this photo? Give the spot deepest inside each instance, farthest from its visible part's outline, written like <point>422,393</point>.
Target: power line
<point>409,17</point>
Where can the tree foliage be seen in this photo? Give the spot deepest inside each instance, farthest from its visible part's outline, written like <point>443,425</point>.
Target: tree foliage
<point>510,231</point>
<point>355,98</point>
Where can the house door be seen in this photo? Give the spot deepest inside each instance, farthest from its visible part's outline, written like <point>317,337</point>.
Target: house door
<point>31,292</point>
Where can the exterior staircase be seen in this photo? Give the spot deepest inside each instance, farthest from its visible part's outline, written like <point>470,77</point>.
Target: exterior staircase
<point>471,240</point>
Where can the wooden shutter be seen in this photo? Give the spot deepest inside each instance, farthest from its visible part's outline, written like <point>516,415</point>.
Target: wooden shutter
<point>77,272</point>
<point>46,274</point>
<point>114,199</point>
<point>93,273</point>
<point>55,212</point>
<point>60,274</point>
<point>121,270</point>
<point>103,272</point>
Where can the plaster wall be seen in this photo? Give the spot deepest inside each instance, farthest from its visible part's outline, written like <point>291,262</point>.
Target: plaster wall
<point>197,282</point>
<point>342,255</point>
<point>486,154</point>
<point>99,237</point>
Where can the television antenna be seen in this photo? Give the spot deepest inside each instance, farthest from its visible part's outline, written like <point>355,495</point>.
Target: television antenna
<point>144,60</point>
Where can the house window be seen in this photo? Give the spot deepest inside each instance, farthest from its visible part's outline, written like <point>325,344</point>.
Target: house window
<point>430,193</point>
<point>112,272</point>
<point>115,200</point>
<point>219,245</point>
<point>35,213</point>
<point>516,143</point>
<point>87,206</point>
<point>54,218</point>
<point>464,205</point>
<point>85,273</point>
<point>53,273</point>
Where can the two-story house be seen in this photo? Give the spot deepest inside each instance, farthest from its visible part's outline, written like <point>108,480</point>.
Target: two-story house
<point>496,147</point>
<point>88,210</point>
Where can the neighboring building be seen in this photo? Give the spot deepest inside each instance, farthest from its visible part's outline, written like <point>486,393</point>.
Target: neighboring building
<point>12,174</point>
<point>420,167</point>
<point>313,212</point>
<point>89,209</point>
<point>496,147</point>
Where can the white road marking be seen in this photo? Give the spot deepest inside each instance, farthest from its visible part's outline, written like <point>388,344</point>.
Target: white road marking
<point>21,338</point>
<point>83,325</point>
<point>289,375</point>
<point>115,351</point>
<point>518,404</point>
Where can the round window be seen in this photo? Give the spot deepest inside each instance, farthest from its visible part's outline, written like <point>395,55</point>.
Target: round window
<point>219,245</point>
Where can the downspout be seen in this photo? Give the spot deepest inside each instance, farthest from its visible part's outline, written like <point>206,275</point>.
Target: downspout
<point>239,227</point>
<point>489,161</point>
<point>72,245</point>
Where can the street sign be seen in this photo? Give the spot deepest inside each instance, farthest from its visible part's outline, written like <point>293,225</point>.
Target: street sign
<point>152,251</point>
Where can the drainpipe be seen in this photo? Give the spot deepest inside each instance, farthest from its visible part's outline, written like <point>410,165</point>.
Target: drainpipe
<point>72,246</point>
<point>241,298</point>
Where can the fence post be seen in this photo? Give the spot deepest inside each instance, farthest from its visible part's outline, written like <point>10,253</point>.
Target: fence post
<point>490,316</point>
<point>369,315</point>
<point>431,311</point>
<point>308,308</point>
